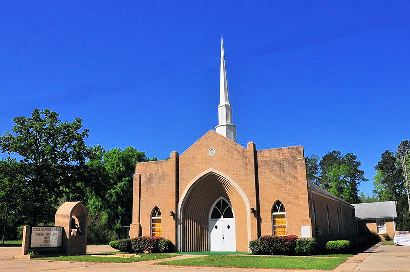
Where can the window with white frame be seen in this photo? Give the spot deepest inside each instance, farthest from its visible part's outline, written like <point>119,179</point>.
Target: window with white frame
<point>156,222</point>
<point>278,219</point>
<point>381,226</point>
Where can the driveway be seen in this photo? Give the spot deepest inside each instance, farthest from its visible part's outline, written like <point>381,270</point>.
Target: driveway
<point>386,258</point>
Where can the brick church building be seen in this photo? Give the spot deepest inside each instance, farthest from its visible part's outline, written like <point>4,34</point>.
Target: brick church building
<point>218,195</point>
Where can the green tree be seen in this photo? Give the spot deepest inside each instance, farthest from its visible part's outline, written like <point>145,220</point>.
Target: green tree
<point>110,204</point>
<point>12,197</point>
<point>368,199</point>
<point>337,173</point>
<point>389,181</point>
<point>403,156</point>
<point>312,169</point>
<point>390,184</point>
<point>51,155</point>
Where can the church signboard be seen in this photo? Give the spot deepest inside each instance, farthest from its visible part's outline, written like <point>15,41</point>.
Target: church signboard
<point>402,238</point>
<point>46,237</point>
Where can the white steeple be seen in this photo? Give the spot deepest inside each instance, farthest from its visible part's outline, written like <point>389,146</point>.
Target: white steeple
<point>225,126</point>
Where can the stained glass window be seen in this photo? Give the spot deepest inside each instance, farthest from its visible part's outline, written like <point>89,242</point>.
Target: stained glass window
<point>278,219</point>
<point>156,222</point>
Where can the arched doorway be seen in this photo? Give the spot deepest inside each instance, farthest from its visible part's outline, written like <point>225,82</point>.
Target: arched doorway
<point>222,227</point>
<point>196,206</point>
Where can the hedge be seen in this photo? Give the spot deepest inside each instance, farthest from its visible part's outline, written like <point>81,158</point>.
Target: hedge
<point>351,245</point>
<point>338,246</point>
<point>123,245</point>
<point>305,246</point>
<point>274,245</point>
<point>144,244</point>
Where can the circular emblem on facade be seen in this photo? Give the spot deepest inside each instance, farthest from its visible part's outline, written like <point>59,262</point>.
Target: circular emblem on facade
<point>211,151</point>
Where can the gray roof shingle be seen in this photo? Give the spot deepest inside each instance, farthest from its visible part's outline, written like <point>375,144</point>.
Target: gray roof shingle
<point>376,210</point>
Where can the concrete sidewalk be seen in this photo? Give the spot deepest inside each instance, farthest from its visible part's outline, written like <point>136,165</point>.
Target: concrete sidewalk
<point>383,258</point>
<point>386,258</point>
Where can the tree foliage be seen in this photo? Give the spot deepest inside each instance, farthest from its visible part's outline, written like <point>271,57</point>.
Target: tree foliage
<point>368,199</point>
<point>312,168</point>
<point>13,195</point>
<point>51,156</point>
<point>110,203</point>
<point>48,162</point>
<point>390,183</point>
<point>337,173</point>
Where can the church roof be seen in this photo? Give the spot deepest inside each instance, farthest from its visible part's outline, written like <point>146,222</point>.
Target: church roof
<point>376,210</point>
<point>324,192</point>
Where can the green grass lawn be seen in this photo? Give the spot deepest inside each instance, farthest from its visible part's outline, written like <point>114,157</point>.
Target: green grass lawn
<point>10,243</point>
<point>113,259</point>
<point>388,243</point>
<point>285,262</point>
<point>215,253</point>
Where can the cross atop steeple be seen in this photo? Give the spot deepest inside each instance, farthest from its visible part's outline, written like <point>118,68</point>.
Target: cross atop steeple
<point>225,126</point>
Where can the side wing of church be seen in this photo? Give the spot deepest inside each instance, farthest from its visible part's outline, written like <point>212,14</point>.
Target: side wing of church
<point>219,195</point>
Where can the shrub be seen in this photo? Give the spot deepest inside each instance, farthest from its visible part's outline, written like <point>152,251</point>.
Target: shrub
<point>305,246</point>
<point>165,246</point>
<point>254,246</point>
<point>144,244</point>
<point>338,246</point>
<point>271,245</point>
<point>386,237</point>
<point>123,245</point>
<point>138,244</point>
<point>148,244</point>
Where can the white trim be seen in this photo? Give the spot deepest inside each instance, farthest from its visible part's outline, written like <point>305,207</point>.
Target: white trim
<point>234,185</point>
<point>216,201</point>
<point>279,213</point>
<point>155,217</point>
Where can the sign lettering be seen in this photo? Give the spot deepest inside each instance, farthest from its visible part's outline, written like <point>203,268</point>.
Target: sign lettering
<point>46,237</point>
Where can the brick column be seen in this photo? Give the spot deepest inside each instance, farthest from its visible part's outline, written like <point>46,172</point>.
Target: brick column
<point>256,203</point>
<point>135,227</point>
<point>26,239</point>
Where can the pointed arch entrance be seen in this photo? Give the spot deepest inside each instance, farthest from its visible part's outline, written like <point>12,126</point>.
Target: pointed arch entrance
<point>195,211</point>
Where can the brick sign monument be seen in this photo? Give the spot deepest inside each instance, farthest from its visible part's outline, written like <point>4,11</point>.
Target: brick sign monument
<point>68,236</point>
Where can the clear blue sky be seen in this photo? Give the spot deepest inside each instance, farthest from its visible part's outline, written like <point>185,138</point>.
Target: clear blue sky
<point>325,75</point>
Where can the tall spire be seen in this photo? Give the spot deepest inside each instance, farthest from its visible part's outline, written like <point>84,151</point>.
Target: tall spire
<point>223,82</point>
<point>225,126</point>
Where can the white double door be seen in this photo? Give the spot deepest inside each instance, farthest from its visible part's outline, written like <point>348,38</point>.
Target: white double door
<point>222,232</point>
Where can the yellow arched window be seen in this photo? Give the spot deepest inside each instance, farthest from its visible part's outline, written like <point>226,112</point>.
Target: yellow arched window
<point>156,222</point>
<point>278,219</point>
